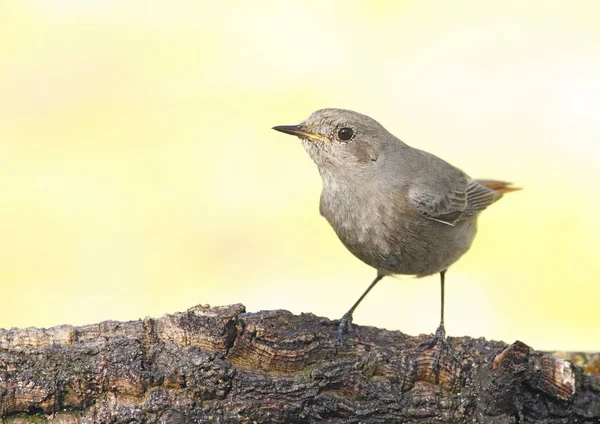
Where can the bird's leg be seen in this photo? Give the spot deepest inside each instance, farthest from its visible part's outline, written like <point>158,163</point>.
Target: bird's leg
<point>440,333</point>
<point>346,320</point>
<point>439,338</point>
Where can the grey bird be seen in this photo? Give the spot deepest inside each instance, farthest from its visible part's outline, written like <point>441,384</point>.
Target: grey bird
<point>398,209</point>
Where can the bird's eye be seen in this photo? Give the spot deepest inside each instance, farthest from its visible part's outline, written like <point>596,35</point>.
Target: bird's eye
<point>345,134</point>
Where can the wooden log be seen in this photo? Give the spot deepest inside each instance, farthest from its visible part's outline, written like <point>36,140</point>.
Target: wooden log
<point>222,365</point>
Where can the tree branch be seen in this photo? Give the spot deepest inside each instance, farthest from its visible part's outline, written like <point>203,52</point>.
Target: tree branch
<point>222,365</point>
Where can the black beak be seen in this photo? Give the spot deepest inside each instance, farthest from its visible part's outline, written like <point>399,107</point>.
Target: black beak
<point>297,131</point>
<point>288,129</point>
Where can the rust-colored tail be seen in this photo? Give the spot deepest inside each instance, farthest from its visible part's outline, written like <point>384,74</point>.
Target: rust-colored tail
<point>499,186</point>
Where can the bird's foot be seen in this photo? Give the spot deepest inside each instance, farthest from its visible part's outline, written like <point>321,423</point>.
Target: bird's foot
<point>345,325</point>
<point>439,340</point>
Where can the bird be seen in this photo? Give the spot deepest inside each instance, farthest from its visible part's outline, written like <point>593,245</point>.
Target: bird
<point>400,210</point>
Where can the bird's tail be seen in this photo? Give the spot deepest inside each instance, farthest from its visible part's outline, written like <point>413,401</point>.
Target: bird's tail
<point>499,186</point>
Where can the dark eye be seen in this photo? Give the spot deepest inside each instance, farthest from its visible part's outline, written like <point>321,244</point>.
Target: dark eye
<point>345,134</point>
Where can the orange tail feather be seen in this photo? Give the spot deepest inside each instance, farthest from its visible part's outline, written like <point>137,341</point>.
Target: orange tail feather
<point>500,186</point>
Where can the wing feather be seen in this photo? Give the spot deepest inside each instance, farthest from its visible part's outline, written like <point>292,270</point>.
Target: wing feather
<point>460,199</point>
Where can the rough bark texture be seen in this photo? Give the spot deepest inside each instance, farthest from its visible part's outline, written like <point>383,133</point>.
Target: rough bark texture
<point>221,365</point>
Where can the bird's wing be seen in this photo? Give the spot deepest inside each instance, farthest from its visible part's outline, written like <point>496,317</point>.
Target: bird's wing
<point>452,198</point>
<point>480,196</point>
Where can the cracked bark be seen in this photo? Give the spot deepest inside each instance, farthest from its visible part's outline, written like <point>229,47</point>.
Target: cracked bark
<point>222,365</point>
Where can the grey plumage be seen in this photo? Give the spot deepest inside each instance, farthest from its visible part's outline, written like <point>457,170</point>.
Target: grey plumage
<point>398,209</point>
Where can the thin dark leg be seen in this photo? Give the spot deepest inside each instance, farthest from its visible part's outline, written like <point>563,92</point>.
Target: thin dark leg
<point>439,338</point>
<point>442,280</point>
<point>347,318</point>
<point>440,334</point>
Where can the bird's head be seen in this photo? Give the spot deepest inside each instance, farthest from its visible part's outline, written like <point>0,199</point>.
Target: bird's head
<point>339,138</point>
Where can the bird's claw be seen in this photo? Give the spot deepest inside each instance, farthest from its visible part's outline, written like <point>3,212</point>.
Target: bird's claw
<point>439,340</point>
<point>345,324</point>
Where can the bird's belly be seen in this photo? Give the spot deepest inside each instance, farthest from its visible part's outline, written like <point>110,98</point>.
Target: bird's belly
<point>413,246</point>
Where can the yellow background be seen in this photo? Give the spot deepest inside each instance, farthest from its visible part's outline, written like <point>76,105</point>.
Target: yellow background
<point>139,174</point>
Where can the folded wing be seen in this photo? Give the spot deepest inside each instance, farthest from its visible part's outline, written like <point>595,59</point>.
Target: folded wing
<point>457,198</point>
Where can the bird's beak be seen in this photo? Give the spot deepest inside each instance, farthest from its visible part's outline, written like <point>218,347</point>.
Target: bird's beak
<point>297,131</point>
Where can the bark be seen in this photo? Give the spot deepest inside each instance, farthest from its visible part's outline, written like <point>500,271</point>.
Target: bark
<point>222,365</point>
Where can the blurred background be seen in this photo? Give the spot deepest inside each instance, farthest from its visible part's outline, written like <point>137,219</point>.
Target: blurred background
<point>139,174</point>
